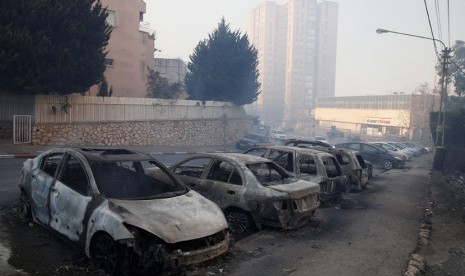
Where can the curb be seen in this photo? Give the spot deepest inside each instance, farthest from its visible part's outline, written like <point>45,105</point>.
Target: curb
<point>18,156</point>
<point>417,263</point>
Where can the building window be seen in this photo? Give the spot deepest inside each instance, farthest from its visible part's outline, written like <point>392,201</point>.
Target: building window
<point>112,19</point>
<point>109,62</point>
<point>141,16</point>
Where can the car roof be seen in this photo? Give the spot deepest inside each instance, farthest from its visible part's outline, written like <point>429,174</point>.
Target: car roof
<point>307,142</point>
<point>240,157</point>
<point>106,154</point>
<point>305,150</point>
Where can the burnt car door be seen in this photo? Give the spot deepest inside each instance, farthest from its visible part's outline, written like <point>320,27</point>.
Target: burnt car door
<point>42,180</point>
<point>69,199</point>
<point>191,172</point>
<point>285,159</point>
<point>334,176</point>
<point>223,183</point>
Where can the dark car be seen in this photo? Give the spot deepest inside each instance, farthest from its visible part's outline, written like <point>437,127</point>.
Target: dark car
<point>376,155</point>
<point>252,140</point>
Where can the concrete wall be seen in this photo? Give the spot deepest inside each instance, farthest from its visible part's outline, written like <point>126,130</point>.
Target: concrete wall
<point>208,132</point>
<point>6,130</point>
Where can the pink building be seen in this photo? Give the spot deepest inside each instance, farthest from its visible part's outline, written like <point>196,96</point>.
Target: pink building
<point>130,49</point>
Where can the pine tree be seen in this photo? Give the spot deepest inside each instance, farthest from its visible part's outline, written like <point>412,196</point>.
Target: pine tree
<point>52,46</point>
<point>223,68</point>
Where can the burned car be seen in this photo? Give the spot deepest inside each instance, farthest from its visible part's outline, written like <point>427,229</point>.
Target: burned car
<point>252,191</point>
<point>358,171</point>
<point>308,164</point>
<point>123,208</point>
<point>250,140</point>
<point>310,143</point>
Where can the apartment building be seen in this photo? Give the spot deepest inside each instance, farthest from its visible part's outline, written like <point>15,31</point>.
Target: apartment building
<point>287,36</point>
<point>267,31</point>
<point>173,69</point>
<point>130,49</point>
<point>326,46</point>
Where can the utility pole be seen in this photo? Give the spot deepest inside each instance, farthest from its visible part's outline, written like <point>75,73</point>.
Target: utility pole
<point>440,153</point>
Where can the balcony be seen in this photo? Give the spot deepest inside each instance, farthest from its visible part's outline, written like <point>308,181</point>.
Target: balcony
<point>145,27</point>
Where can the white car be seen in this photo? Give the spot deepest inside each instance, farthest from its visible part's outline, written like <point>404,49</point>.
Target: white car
<point>278,135</point>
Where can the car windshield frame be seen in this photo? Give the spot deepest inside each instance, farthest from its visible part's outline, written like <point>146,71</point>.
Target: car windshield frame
<point>256,168</point>
<point>144,180</point>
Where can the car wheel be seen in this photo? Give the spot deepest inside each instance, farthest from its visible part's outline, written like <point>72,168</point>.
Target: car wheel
<point>387,164</point>
<point>356,186</point>
<point>347,186</point>
<point>108,256</point>
<point>24,206</point>
<point>238,221</point>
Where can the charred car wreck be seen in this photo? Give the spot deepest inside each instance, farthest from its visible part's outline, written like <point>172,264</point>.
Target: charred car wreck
<point>308,164</point>
<point>125,209</point>
<point>252,191</point>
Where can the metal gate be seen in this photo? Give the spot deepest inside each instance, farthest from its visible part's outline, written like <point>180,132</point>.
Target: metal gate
<point>22,129</point>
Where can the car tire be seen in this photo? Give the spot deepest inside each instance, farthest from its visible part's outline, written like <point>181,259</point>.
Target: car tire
<point>24,206</point>
<point>356,186</point>
<point>347,186</point>
<point>238,221</point>
<point>388,164</point>
<point>108,256</point>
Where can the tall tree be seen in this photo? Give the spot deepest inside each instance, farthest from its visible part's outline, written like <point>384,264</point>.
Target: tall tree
<point>159,87</point>
<point>103,89</point>
<point>457,73</point>
<point>223,68</point>
<point>52,46</point>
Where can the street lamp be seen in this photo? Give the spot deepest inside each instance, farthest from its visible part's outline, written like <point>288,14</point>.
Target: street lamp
<point>439,155</point>
<point>383,31</point>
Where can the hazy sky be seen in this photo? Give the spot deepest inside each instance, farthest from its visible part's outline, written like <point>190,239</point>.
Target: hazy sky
<point>367,63</point>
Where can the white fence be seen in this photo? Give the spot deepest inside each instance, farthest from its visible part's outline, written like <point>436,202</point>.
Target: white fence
<point>77,108</point>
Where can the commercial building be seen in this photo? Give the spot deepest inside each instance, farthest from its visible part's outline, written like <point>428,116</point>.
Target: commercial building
<point>130,49</point>
<point>383,115</point>
<point>287,37</point>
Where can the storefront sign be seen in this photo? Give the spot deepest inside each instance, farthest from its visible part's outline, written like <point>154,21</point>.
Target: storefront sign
<point>378,121</point>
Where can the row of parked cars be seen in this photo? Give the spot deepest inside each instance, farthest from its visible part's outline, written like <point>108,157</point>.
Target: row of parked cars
<point>129,212</point>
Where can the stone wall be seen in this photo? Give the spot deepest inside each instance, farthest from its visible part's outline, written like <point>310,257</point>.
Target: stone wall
<point>6,130</point>
<point>167,133</point>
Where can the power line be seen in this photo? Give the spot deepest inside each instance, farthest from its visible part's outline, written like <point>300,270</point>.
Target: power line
<point>431,28</point>
<point>448,21</point>
<point>438,18</point>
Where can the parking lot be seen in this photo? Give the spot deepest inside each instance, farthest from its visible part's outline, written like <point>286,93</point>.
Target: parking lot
<point>370,232</point>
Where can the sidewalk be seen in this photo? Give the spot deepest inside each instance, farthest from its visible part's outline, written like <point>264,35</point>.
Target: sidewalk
<point>445,252</point>
<point>10,150</point>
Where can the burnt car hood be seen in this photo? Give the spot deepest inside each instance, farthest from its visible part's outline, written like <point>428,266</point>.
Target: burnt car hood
<point>181,218</point>
<point>298,189</point>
